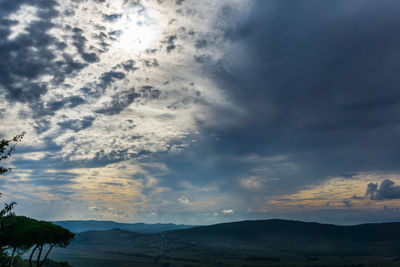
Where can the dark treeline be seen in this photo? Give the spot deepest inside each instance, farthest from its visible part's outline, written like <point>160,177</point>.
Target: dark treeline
<point>20,234</point>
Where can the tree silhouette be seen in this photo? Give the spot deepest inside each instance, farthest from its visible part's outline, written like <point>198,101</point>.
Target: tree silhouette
<point>20,233</point>
<point>15,230</point>
<point>6,148</point>
<point>45,233</point>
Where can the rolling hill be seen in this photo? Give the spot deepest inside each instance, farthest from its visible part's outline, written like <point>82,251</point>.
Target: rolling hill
<point>245,243</point>
<point>83,226</point>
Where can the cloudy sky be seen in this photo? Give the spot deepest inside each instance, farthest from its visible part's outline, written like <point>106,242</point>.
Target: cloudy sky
<point>201,112</point>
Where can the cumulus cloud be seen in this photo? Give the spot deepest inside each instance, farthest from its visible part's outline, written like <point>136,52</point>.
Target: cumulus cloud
<point>228,211</point>
<point>77,125</point>
<point>66,65</point>
<point>184,200</point>
<point>386,190</point>
<point>251,183</point>
<point>102,83</point>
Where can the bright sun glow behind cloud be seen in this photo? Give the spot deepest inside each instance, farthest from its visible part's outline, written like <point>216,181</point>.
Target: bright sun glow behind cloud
<point>138,30</point>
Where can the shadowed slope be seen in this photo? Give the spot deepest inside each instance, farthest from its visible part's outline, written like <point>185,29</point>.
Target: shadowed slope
<point>248,241</point>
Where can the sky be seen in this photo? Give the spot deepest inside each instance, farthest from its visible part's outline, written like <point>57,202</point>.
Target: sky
<point>201,112</point>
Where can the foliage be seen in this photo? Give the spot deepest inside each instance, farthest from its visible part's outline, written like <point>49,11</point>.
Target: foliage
<point>20,233</point>
<point>7,147</point>
<point>20,262</point>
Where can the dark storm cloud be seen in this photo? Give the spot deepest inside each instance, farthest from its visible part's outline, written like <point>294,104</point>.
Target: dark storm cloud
<point>49,109</point>
<point>318,81</point>
<point>119,102</point>
<point>41,112</point>
<point>77,125</point>
<point>28,56</point>
<point>170,41</point>
<point>387,190</point>
<point>201,43</point>
<point>112,17</point>
<point>129,65</point>
<point>150,92</point>
<point>2,112</point>
<point>60,166</point>
<point>106,80</point>
<point>202,59</point>
<point>102,39</point>
<point>101,159</point>
<point>80,44</point>
<point>327,57</point>
<point>7,7</point>
<point>42,125</point>
<point>152,63</point>
<point>19,62</point>
<point>68,66</point>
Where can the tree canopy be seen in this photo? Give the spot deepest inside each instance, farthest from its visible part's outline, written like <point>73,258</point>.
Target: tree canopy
<point>20,233</point>
<point>6,148</point>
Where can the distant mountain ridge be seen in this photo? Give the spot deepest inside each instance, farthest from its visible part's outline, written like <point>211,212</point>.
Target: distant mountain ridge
<point>262,243</point>
<point>79,226</point>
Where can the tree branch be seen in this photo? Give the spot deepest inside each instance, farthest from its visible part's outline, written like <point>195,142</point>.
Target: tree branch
<point>12,257</point>
<point>47,254</point>
<point>30,258</point>
<point>40,254</point>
